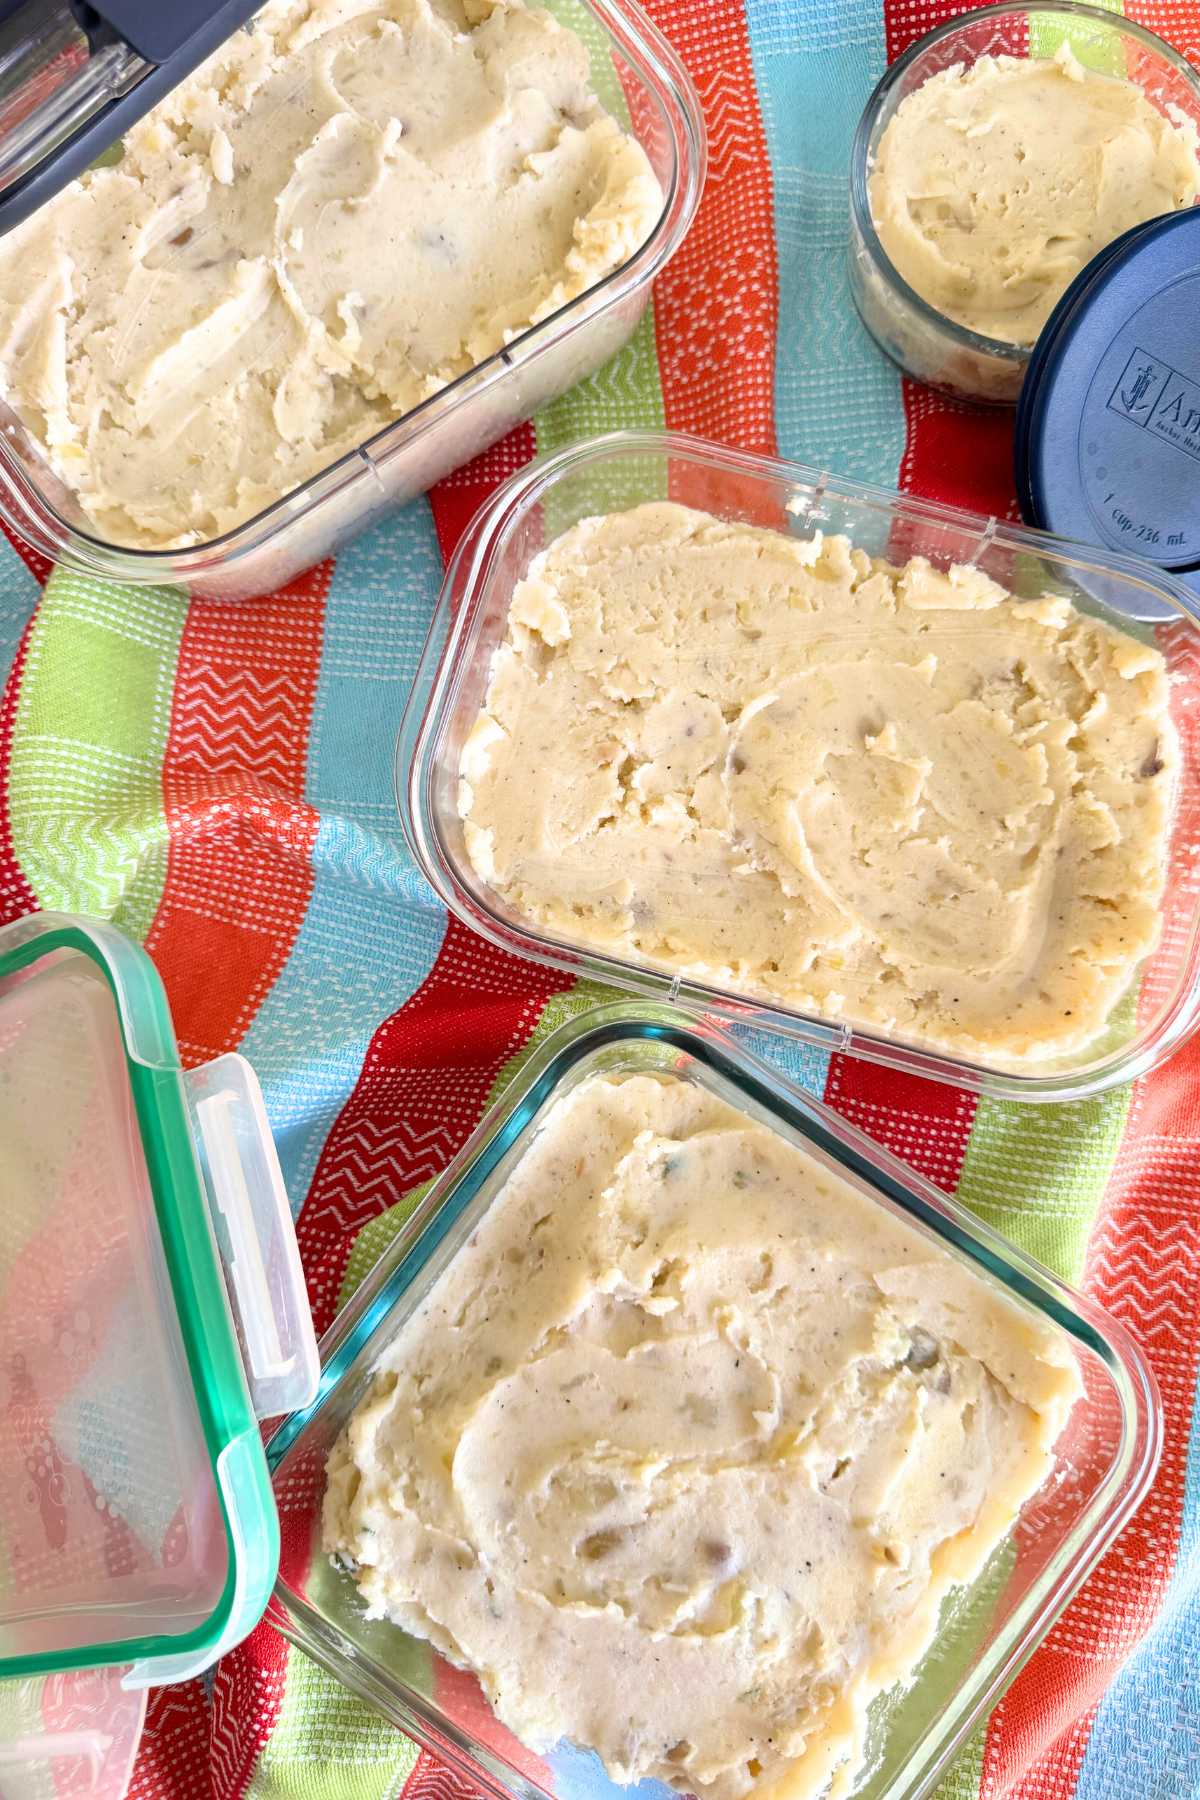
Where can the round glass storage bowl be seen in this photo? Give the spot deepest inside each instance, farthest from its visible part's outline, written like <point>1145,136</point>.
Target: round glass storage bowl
<point>925,343</point>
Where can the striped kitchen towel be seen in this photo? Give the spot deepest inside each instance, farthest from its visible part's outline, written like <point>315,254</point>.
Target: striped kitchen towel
<point>217,780</point>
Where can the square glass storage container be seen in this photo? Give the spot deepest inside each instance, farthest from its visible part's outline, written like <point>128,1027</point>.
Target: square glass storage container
<point>625,468</point>
<point>1103,1462</point>
<point>634,70</point>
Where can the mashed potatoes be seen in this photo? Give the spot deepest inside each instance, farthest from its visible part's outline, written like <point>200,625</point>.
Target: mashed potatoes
<point>682,1451</point>
<point>883,794</point>
<point>994,184</point>
<point>351,203</point>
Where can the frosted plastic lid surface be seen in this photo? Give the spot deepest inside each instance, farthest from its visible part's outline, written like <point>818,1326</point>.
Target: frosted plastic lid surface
<point>110,1527</point>
<point>152,1310</point>
<point>69,1737</point>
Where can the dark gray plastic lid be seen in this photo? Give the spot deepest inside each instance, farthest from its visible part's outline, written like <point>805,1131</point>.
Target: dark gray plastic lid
<point>75,77</point>
<point>1108,426</point>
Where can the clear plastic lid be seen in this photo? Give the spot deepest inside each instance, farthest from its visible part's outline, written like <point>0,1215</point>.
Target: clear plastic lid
<point>152,1310</point>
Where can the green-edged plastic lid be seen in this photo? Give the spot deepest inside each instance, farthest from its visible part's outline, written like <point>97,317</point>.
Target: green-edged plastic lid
<point>152,1309</point>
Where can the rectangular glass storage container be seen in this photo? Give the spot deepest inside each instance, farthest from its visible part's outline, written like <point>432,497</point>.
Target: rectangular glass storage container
<point>1104,1460</point>
<point>625,468</point>
<point>632,66</point>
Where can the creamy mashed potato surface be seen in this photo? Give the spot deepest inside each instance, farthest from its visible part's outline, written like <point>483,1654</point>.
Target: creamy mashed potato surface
<point>889,795</point>
<point>994,184</point>
<point>684,1448</point>
<point>348,205</point>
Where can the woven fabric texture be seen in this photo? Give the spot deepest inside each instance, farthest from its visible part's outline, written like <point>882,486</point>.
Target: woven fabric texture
<point>217,779</point>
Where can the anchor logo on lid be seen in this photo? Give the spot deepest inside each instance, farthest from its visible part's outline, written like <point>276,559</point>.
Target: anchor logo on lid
<point>1139,386</point>
<point>1132,398</point>
<point>1160,399</point>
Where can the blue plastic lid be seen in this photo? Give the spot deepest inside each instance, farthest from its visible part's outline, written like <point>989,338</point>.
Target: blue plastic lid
<point>1108,426</point>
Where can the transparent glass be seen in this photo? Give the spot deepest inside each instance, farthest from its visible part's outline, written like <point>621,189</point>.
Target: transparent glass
<point>446,430</point>
<point>1104,1461</point>
<point>624,468</point>
<point>927,345</point>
